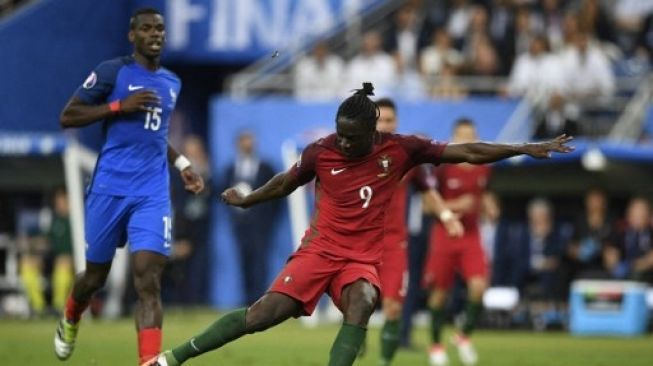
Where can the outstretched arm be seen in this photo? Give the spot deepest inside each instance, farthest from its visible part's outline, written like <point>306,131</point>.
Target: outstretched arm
<point>483,152</point>
<point>279,186</point>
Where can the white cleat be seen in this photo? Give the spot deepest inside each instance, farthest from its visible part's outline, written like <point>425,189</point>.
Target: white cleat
<point>159,360</point>
<point>64,339</point>
<point>466,351</point>
<point>438,356</point>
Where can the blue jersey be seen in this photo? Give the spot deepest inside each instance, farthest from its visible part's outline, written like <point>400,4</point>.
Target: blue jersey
<point>133,160</point>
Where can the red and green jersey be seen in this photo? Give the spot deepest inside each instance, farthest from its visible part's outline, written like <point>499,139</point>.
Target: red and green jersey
<point>352,195</point>
<point>457,180</point>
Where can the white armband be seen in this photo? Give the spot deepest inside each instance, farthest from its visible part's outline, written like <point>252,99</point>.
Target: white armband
<point>446,215</point>
<point>182,163</point>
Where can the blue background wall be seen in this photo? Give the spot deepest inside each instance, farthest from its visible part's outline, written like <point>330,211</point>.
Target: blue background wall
<point>276,120</point>
<point>47,50</point>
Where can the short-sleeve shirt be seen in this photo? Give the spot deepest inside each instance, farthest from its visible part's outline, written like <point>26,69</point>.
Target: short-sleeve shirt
<point>396,233</point>
<point>352,195</point>
<point>457,180</point>
<point>133,160</point>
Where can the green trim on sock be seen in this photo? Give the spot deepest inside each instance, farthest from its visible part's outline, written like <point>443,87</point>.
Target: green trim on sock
<point>472,312</point>
<point>389,340</point>
<point>226,329</point>
<point>170,359</point>
<point>437,323</point>
<point>346,346</point>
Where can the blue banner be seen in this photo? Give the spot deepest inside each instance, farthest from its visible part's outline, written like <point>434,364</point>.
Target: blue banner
<point>240,31</point>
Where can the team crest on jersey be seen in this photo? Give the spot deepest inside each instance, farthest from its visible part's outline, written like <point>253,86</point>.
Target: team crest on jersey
<point>90,81</point>
<point>384,163</point>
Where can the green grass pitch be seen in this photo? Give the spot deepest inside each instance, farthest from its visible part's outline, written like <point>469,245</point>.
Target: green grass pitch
<point>113,343</point>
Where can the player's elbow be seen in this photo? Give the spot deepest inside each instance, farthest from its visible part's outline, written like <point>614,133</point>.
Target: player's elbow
<point>475,158</point>
<point>65,120</point>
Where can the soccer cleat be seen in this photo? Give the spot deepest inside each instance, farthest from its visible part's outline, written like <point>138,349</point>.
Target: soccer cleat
<point>438,356</point>
<point>466,351</point>
<point>163,359</point>
<point>64,339</point>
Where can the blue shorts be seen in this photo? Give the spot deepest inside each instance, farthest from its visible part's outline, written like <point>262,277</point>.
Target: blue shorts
<point>112,221</point>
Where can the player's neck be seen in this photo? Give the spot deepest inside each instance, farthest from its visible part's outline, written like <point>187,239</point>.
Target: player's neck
<point>151,64</point>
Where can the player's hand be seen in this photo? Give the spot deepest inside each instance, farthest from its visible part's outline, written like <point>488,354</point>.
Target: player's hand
<point>193,182</point>
<point>139,102</point>
<point>544,150</point>
<point>233,197</point>
<point>454,227</point>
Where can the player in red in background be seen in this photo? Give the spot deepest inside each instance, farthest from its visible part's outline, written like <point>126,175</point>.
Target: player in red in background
<point>393,270</point>
<point>356,171</point>
<point>461,186</point>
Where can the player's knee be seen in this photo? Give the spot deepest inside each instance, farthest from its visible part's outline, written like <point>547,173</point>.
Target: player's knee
<point>437,298</point>
<point>391,309</point>
<point>94,282</point>
<point>361,302</point>
<point>147,284</point>
<point>477,287</point>
<point>259,317</point>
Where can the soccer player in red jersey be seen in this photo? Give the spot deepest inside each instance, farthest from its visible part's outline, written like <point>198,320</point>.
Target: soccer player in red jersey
<point>356,171</point>
<point>462,187</point>
<point>393,271</point>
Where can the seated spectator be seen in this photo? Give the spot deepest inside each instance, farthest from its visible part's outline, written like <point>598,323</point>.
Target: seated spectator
<point>483,59</point>
<point>593,19</point>
<point>494,228</point>
<point>318,76</point>
<point>373,65</point>
<point>592,234</point>
<point>526,27</point>
<point>531,259</point>
<point>402,39</point>
<point>535,71</point>
<point>552,22</point>
<point>439,53</point>
<point>586,71</point>
<point>631,256</point>
<point>459,19</point>
<point>570,30</point>
<point>556,119</point>
<point>446,86</point>
<point>478,30</point>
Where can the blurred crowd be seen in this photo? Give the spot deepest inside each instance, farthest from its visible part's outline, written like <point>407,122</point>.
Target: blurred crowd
<point>565,55</point>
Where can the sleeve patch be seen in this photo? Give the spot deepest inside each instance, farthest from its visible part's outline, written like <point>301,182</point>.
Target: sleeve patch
<point>90,81</point>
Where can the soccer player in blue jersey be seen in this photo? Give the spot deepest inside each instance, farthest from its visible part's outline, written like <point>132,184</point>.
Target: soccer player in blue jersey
<point>128,198</point>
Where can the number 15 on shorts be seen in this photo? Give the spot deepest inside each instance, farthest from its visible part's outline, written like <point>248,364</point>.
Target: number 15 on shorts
<point>167,230</point>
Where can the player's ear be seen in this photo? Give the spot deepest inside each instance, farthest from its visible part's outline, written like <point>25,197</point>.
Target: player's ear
<point>131,36</point>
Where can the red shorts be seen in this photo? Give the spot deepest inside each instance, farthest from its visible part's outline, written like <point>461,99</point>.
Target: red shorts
<point>449,255</point>
<point>308,275</point>
<point>394,272</point>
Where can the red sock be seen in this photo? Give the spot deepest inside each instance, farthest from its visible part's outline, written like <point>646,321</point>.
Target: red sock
<point>149,343</point>
<point>73,310</point>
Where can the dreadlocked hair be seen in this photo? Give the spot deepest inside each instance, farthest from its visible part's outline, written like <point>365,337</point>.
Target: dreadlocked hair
<point>359,107</point>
